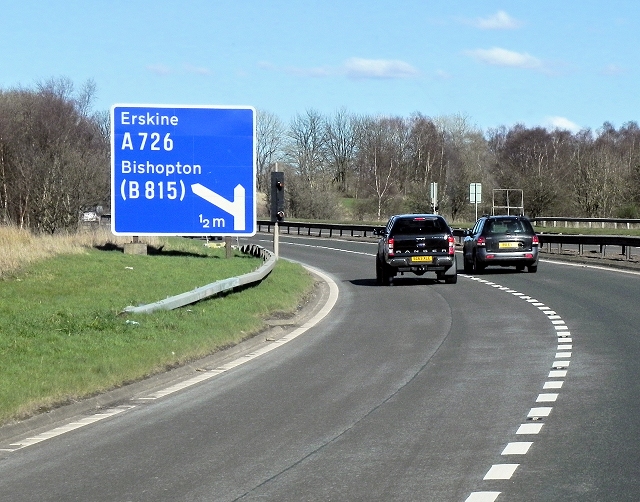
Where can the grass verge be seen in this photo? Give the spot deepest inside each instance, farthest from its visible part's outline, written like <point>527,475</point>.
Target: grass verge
<point>63,337</point>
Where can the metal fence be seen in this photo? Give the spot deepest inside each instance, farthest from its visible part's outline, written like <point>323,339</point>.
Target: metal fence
<point>552,241</point>
<point>625,223</point>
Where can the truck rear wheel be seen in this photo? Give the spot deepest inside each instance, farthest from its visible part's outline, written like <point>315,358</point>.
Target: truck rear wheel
<point>382,273</point>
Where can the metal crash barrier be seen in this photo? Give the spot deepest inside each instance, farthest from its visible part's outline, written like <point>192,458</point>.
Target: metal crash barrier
<point>214,288</point>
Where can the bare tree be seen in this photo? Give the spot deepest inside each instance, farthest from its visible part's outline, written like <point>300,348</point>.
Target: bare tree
<point>530,159</point>
<point>341,133</point>
<point>306,146</point>
<point>269,144</point>
<point>378,162</point>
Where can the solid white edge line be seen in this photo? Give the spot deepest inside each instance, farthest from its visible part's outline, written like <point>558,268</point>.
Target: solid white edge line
<point>321,314</point>
<point>58,431</point>
<point>596,267</point>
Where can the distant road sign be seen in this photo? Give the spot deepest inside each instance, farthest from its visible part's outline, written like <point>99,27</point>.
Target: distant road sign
<point>475,193</point>
<point>183,170</point>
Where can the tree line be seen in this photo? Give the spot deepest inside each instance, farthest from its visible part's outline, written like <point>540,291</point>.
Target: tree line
<point>386,164</point>
<point>55,163</point>
<point>54,155</point>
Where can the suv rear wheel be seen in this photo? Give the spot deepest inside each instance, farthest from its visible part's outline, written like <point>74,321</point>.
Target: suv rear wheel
<point>478,266</point>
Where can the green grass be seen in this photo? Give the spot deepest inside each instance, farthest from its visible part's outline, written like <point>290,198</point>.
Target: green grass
<point>63,335</point>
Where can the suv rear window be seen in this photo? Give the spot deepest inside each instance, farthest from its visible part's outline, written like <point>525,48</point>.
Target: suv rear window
<point>504,226</point>
<point>418,226</point>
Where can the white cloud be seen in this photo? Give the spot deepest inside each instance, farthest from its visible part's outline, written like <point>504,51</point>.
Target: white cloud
<point>613,70</point>
<point>562,123</point>
<point>378,68</point>
<point>317,72</point>
<point>503,57</point>
<point>357,68</point>
<point>442,74</point>
<point>199,70</point>
<point>498,21</point>
<point>159,69</point>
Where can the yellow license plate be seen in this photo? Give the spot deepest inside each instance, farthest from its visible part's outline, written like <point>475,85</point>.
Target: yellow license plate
<point>508,245</point>
<point>427,259</point>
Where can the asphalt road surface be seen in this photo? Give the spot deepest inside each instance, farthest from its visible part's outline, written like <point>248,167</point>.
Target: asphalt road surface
<point>506,386</point>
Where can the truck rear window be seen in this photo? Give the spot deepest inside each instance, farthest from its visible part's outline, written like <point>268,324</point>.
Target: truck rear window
<point>418,226</point>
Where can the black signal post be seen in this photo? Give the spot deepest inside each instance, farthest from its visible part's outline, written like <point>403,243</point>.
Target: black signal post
<point>277,206</point>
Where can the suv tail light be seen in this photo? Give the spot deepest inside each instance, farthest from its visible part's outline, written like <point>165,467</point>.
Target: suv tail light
<point>481,242</point>
<point>390,246</point>
<point>535,241</point>
<point>452,245</point>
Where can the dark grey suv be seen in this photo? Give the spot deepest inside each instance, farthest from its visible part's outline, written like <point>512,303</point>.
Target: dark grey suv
<point>500,240</point>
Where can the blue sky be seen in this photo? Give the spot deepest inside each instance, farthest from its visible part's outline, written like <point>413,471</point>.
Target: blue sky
<point>573,64</point>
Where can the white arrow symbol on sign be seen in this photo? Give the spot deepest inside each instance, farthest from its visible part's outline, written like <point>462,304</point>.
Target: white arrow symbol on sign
<point>235,208</point>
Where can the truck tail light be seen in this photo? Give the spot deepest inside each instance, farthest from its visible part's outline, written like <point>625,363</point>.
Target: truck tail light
<point>452,245</point>
<point>390,246</point>
<point>481,242</point>
<point>535,241</point>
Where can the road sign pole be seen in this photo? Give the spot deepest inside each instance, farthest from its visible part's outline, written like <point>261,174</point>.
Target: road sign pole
<point>276,239</point>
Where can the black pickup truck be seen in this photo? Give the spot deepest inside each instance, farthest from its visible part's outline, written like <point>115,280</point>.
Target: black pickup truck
<point>416,243</point>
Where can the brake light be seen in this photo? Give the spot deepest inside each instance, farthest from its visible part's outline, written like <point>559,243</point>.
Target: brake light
<point>390,246</point>
<point>535,241</point>
<point>481,241</point>
<point>452,245</point>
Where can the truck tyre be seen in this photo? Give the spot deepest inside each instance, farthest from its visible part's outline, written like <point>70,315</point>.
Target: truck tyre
<point>468,266</point>
<point>451,279</point>
<point>382,272</point>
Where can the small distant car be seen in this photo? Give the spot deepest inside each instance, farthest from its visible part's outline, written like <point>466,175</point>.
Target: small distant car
<point>416,243</point>
<point>506,241</point>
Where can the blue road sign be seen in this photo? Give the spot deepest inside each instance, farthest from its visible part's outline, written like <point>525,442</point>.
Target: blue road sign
<point>183,170</point>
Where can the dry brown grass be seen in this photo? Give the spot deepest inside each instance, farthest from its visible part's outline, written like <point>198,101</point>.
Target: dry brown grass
<point>19,247</point>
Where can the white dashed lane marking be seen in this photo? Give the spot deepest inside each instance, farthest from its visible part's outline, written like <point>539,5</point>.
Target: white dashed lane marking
<point>482,497</point>
<point>535,417</point>
<point>517,448</point>
<point>501,471</point>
